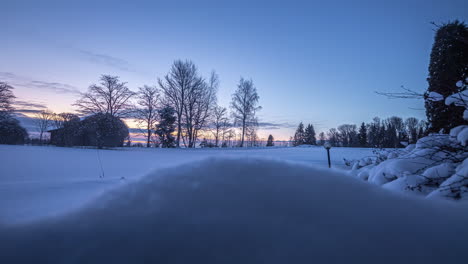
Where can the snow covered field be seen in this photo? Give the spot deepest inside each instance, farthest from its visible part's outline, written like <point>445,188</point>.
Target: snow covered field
<point>37,182</point>
<point>277,205</point>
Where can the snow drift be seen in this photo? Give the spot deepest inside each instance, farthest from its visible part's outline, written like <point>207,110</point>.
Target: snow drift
<point>245,211</point>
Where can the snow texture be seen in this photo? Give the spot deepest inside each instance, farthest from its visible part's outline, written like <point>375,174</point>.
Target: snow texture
<point>40,182</point>
<point>245,211</point>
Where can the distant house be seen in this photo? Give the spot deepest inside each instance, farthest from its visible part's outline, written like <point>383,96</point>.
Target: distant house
<point>55,136</point>
<point>67,136</point>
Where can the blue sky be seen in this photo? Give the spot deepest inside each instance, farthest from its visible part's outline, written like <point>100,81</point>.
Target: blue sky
<point>313,61</point>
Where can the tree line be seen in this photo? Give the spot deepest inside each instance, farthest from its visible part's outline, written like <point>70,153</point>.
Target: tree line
<point>392,132</point>
<point>179,110</point>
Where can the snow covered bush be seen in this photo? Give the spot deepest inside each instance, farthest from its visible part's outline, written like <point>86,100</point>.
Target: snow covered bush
<point>437,166</point>
<point>423,168</point>
<point>103,130</point>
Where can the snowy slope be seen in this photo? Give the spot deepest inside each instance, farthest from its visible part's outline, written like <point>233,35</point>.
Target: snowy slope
<point>37,182</point>
<point>245,210</point>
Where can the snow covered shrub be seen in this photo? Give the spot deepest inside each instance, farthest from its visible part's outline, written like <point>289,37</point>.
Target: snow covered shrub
<point>103,130</point>
<point>11,132</point>
<point>456,186</point>
<point>423,168</point>
<point>379,156</point>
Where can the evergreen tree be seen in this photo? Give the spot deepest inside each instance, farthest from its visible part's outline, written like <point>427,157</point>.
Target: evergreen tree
<point>299,135</point>
<point>374,133</point>
<point>166,127</point>
<point>448,65</point>
<point>270,141</point>
<point>309,135</point>
<point>390,135</point>
<point>362,136</point>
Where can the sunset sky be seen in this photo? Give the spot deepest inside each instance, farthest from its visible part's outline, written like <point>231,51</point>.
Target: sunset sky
<point>319,62</point>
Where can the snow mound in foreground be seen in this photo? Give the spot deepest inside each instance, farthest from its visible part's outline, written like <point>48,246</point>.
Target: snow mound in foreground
<point>245,211</point>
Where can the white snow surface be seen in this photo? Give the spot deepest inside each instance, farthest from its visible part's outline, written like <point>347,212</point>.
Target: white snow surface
<point>234,210</point>
<point>39,182</point>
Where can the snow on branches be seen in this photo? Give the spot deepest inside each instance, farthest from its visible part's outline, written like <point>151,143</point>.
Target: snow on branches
<point>436,166</point>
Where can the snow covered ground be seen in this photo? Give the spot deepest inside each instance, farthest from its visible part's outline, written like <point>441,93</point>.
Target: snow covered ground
<point>229,209</point>
<point>38,182</point>
<point>270,205</point>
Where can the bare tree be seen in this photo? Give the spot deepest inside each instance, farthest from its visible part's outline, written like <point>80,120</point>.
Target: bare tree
<point>199,107</point>
<point>405,93</point>
<point>146,113</point>
<point>111,97</point>
<point>191,97</point>
<point>176,86</point>
<point>333,137</point>
<point>229,135</point>
<point>43,120</point>
<point>251,133</point>
<point>244,105</point>
<point>322,138</point>
<point>6,98</point>
<point>220,121</point>
<point>225,129</point>
<point>348,134</point>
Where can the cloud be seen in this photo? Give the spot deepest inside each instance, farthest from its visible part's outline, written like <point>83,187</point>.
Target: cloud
<point>106,60</point>
<point>31,111</point>
<point>19,103</point>
<point>136,130</point>
<point>6,75</point>
<point>26,82</point>
<point>55,86</point>
<point>273,125</point>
